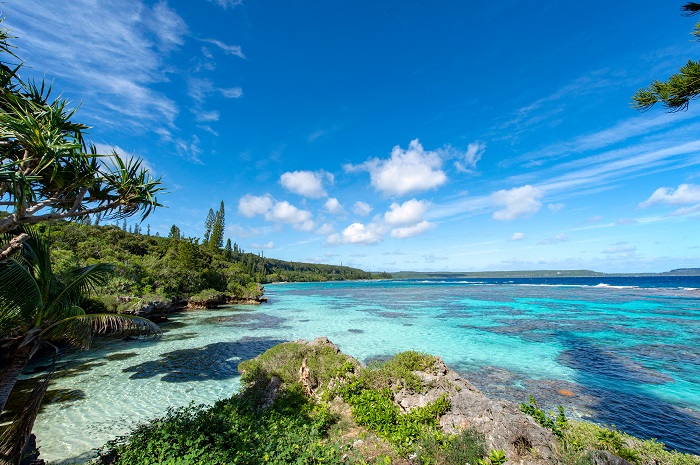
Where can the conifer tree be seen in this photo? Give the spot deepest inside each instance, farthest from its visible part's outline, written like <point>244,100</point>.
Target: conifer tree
<point>174,233</point>
<point>216,240</point>
<point>228,249</point>
<point>208,226</point>
<point>679,89</point>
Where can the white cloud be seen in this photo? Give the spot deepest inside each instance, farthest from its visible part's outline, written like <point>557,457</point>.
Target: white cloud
<point>107,149</point>
<point>228,49</point>
<point>95,57</point>
<point>251,205</point>
<point>206,116</point>
<point>408,213</point>
<point>201,89</point>
<point>306,183</point>
<point>683,195</point>
<point>517,236</point>
<point>225,4</point>
<point>517,202</point>
<point>334,207</point>
<point>466,161</point>
<point>358,233</point>
<point>285,212</point>
<point>326,229</point>
<point>555,207</point>
<point>189,150</point>
<point>410,231</point>
<point>361,208</point>
<point>406,171</point>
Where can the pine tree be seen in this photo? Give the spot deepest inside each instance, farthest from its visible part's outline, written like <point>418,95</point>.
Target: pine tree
<point>216,240</point>
<point>679,89</point>
<point>124,225</point>
<point>208,226</point>
<point>174,233</point>
<point>228,249</point>
<point>148,230</point>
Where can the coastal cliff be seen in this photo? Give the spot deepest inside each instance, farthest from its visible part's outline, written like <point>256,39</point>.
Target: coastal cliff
<point>307,402</point>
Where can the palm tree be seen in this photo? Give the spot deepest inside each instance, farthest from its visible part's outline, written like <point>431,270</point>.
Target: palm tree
<point>37,308</point>
<point>48,170</point>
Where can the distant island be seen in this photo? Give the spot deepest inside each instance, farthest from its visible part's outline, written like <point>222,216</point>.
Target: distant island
<point>534,274</point>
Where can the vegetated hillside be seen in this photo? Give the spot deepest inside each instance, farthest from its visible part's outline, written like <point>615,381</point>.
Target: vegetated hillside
<point>176,266</point>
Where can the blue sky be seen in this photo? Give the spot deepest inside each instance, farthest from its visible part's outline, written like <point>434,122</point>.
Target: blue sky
<point>394,135</point>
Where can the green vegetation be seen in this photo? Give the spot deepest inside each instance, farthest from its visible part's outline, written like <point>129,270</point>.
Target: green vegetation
<point>176,266</point>
<point>578,439</point>
<point>679,89</point>
<point>48,170</point>
<point>304,430</point>
<point>39,307</point>
<point>351,418</point>
<point>292,430</point>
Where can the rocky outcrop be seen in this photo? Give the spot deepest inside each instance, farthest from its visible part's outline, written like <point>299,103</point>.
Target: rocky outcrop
<point>502,423</point>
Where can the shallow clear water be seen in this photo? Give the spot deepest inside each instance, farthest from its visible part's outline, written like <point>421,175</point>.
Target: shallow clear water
<point>629,354</point>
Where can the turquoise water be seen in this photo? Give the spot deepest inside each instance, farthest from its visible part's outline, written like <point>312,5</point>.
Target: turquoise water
<point>629,354</point>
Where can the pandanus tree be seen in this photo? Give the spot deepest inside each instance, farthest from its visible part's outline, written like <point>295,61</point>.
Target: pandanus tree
<point>47,168</point>
<point>39,309</point>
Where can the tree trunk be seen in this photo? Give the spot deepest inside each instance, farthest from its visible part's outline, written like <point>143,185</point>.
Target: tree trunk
<point>13,371</point>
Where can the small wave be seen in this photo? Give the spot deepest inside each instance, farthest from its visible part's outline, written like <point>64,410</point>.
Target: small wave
<point>610,286</point>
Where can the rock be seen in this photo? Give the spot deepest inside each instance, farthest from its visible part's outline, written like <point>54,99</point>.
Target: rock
<point>601,457</point>
<point>502,423</point>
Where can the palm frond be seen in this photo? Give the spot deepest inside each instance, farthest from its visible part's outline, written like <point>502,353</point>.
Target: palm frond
<point>79,330</point>
<point>15,436</point>
<point>78,283</point>
<point>20,296</point>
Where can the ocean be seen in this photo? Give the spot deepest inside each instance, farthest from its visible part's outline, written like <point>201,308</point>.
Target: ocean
<point>628,349</point>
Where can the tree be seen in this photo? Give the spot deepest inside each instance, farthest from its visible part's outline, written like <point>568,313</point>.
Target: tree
<point>216,239</point>
<point>228,249</point>
<point>37,308</point>
<point>682,87</point>
<point>47,168</point>
<point>174,233</point>
<point>208,225</point>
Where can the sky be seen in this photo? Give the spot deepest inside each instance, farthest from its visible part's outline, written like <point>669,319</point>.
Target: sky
<point>392,135</point>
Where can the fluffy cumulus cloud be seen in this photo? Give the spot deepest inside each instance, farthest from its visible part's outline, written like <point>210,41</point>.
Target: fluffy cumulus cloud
<point>685,194</point>
<point>410,231</point>
<point>333,206</point>
<point>408,213</point>
<point>517,236</point>
<point>361,208</point>
<point>279,212</point>
<point>466,161</point>
<point>516,202</point>
<point>306,183</point>
<point>285,212</point>
<point>358,233</point>
<point>251,205</point>
<point>405,171</point>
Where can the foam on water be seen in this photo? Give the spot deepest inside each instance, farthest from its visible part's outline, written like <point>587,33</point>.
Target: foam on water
<point>629,355</point>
